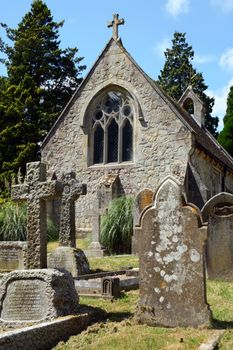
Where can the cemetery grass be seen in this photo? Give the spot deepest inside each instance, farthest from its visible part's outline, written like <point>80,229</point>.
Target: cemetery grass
<point>120,331</point>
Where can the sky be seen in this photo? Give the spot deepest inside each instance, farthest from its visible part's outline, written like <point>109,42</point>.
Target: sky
<point>147,32</point>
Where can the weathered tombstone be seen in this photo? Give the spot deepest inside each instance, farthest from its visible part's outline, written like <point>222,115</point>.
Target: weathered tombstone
<point>109,188</point>
<point>12,256</point>
<point>172,278</point>
<point>218,212</point>
<point>36,190</point>
<point>67,256</point>
<point>143,200</point>
<point>36,295</point>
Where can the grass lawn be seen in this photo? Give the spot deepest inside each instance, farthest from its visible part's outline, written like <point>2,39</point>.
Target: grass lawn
<point>80,243</point>
<point>121,331</point>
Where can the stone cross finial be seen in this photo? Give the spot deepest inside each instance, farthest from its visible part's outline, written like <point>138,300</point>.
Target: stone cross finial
<point>72,189</point>
<point>36,190</point>
<point>115,23</point>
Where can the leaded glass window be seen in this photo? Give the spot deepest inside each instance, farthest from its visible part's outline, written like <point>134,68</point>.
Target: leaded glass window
<point>112,127</point>
<point>98,145</point>
<point>112,149</point>
<point>127,142</point>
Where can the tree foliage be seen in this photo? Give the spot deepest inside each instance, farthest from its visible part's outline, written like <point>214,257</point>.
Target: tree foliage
<point>41,79</point>
<point>178,73</point>
<point>225,137</point>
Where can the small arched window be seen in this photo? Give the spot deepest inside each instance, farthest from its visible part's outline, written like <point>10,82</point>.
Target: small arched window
<point>111,134</point>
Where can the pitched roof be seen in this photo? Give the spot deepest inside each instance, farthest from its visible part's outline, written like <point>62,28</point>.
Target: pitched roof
<point>203,138</point>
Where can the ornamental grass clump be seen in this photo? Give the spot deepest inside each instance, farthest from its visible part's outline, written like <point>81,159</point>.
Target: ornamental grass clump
<point>13,223</point>
<point>117,226</point>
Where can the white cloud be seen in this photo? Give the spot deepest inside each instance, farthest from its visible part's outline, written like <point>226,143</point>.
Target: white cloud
<point>224,5</point>
<point>161,46</point>
<point>220,105</point>
<point>203,59</point>
<point>226,59</point>
<point>175,7</point>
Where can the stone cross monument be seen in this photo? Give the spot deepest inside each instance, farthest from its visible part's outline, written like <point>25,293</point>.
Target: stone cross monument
<point>115,23</point>
<point>36,190</point>
<point>67,256</point>
<point>72,189</point>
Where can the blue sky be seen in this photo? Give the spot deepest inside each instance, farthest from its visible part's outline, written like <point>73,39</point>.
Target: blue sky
<point>148,30</point>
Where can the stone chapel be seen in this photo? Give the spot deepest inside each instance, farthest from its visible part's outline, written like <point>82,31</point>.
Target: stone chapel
<point>121,133</point>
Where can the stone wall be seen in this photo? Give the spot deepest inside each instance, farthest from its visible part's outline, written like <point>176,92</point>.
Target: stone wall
<point>205,178</point>
<point>161,141</point>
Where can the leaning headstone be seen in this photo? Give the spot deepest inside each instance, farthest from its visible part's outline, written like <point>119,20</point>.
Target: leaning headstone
<point>172,278</point>
<point>66,255</point>
<point>218,212</point>
<point>36,190</point>
<point>12,256</point>
<point>36,296</point>
<point>143,200</point>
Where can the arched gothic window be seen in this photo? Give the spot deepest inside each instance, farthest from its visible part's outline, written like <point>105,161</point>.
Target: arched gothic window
<point>111,135</point>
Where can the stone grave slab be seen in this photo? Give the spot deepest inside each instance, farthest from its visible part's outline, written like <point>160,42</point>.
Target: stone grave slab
<point>71,259</point>
<point>12,256</point>
<point>171,268</point>
<point>36,295</point>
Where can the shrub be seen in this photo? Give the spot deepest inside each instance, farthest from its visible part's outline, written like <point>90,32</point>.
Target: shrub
<point>13,221</point>
<point>117,226</point>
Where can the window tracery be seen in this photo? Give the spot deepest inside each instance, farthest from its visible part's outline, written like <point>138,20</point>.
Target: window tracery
<point>112,128</point>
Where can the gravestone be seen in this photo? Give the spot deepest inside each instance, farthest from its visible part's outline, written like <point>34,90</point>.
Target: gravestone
<point>218,212</point>
<point>36,296</point>
<point>12,256</point>
<point>110,287</point>
<point>108,189</point>
<point>143,200</point>
<point>66,255</point>
<point>72,259</point>
<point>172,278</point>
<point>36,190</point>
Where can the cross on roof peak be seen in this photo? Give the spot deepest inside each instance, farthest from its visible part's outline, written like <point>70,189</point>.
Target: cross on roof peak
<point>115,23</point>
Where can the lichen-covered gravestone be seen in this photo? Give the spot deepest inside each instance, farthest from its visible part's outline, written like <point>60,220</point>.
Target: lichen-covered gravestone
<point>36,190</point>
<point>67,255</point>
<point>36,296</point>
<point>172,278</point>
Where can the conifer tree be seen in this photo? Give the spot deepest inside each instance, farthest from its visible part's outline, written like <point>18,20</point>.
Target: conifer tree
<point>178,73</point>
<point>225,137</point>
<point>41,79</point>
